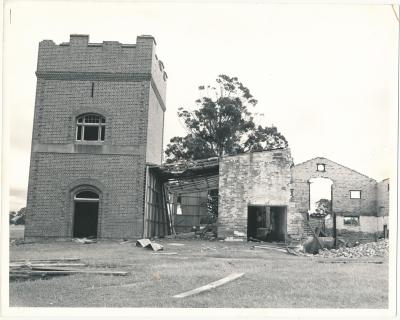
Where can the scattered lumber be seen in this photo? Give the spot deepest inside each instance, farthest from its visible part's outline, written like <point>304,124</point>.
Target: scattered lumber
<point>45,265</point>
<point>50,271</point>
<point>351,261</point>
<point>42,268</point>
<point>166,253</point>
<point>126,241</point>
<point>46,260</point>
<point>270,248</point>
<point>210,286</point>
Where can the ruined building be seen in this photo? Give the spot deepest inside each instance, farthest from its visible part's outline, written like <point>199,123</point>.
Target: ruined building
<point>96,163</point>
<point>263,195</point>
<point>99,118</point>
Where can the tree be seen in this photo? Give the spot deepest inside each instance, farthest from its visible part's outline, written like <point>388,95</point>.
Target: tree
<point>221,123</point>
<point>324,206</point>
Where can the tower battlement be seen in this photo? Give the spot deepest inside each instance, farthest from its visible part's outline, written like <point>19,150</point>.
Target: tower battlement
<point>108,60</point>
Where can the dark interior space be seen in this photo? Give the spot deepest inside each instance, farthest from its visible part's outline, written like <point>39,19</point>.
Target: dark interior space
<point>266,223</point>
<point>85,219</point>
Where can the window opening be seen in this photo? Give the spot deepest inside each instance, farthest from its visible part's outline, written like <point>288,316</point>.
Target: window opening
<point>90,127</point>
<point>355,194</point>
<point>351,221</point>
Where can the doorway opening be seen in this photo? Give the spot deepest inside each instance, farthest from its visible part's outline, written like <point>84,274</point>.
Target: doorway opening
<point>266,223</point>
<point>86,212</point>
<point>320,196</point>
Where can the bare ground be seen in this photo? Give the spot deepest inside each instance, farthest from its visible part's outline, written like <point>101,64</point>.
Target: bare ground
<point>272,279</point>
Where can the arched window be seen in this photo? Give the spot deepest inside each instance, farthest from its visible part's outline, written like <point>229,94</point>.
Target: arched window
<point>90,127</point>
<point>86,196</point>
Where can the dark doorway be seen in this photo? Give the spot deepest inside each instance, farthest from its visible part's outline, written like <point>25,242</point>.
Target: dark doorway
<point>266,223</point>
<point>86,214</point>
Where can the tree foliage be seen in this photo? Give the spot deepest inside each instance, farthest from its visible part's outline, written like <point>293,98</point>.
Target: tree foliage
<point>221,123</point>
<point>324,206</point>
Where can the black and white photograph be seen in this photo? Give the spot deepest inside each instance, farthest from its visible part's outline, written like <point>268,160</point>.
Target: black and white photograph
<point>231,159</point>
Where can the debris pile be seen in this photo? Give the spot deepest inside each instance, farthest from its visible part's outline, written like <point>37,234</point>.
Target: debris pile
<point>371,249</point>
<point>84,240</point>
<point>146,243</point>
<point>46,268</point>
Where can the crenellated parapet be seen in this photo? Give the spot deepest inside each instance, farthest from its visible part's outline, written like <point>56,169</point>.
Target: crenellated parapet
<point>108,61</point>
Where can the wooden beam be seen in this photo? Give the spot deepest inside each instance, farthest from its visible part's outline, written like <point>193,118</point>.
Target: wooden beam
<point>210,286</point>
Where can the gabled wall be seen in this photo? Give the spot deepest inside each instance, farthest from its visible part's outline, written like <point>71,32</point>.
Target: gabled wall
<point>344,180</point>
<point>373,202</point>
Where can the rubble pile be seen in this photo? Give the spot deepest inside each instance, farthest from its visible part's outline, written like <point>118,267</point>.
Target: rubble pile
<point>371,249</point>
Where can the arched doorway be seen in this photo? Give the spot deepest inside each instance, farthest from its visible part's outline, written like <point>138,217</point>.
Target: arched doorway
<point>86,213</point>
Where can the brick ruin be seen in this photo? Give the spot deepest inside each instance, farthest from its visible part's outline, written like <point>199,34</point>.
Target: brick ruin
<point>96,162</point>
<point>268,184</point>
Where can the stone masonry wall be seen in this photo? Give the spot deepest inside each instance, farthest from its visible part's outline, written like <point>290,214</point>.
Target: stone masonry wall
<point>260,178</point>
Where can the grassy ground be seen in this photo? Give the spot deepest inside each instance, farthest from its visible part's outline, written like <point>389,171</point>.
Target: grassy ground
<point>17,232</point>
<point>272,279</point>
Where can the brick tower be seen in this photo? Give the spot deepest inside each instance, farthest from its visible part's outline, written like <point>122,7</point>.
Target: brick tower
<point>99,118</point>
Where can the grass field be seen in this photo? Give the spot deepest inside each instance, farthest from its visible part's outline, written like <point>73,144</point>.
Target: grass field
<point>272,279</point>
<point>17,232</point>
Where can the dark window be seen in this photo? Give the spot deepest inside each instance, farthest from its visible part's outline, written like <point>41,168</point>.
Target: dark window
<point>321,167</point>
<point>92,91</point>
<point>90,127</point>
<point>351,221</point>
<point>79,133</point>
<point>103,132</point>
<point>355,194</point>
<point>388,186</point>
<point>87,195</point>
<point>91,133</point>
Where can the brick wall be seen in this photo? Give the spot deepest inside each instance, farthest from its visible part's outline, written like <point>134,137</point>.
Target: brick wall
<point>383,198</point>
<point>155,130</point>
<point>55,178</point>
<point>344,180</point>
<point>260,178</point>
<point>129,91</point>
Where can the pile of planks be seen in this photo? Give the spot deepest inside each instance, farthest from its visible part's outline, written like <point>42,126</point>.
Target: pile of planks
<point>45,268</point>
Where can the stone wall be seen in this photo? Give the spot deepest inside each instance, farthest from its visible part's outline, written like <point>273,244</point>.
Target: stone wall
<point>260,178</point>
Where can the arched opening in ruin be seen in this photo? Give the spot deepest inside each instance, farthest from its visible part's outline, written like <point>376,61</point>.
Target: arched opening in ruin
<point>86,213</point>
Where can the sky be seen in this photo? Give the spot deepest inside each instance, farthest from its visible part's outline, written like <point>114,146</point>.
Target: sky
<point>325,75</point>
